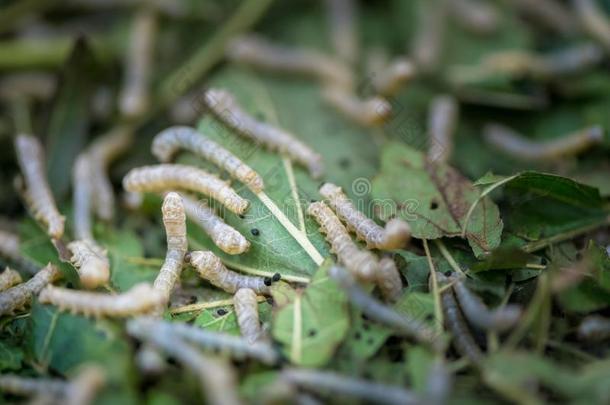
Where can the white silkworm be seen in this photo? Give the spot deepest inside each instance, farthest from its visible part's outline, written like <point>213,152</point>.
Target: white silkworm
<point>341,18</point>
<point>392,77</point>
<point>39,198</point>
<point>174,220</point>
<point>235,346</point>
<point>438,384</point>
<point>210,268</point>
<point>9,249</point>
<point>20,295</point>
<point>370,112</point>
<point>359,262</point>
<point>442,123</point>
<point>91,263</point>
<point>388,279</point>
<point>85,385</point>
<point>479,315</point>
<point>594,328</point>
<point>9,278</point>
<point>135,99</point>
<point>331,383</point>
<point>517,146</point>
<point>594,20</point>
<point>168,142</point>
<point>159,178</point>
<point>475,15</point>
<point>140,299</point>
<point>82,197</point>
<point>246,310</point>
<point>227,238</point>
<point>24,386</point>
<point>375,310</point>
<point>396,234</point>
<point>224,106</point>
<point>429,39</point>
<point>550,13</point>
<point>262,54</point>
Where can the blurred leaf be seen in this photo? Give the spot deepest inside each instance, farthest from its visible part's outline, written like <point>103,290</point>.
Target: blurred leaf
<point>11,356</point>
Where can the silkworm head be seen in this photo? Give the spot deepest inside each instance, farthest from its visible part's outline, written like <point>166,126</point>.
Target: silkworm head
<point>173,208</point>
<point>201,259</point>
<point>329,190</point>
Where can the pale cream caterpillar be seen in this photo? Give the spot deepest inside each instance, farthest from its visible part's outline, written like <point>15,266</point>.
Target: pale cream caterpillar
<point>210,268</point>
<point>332,384</point>
<point>511,143</point>
<point>134,99</point>
<point>395,235</point>
<point>225,107</point>
<point>262,54</point>
<point>10,250</point>
<point>31,387</point>
<point>37,193</point>
<point>91,263</point>
<point>442,123</point>
<point>388,279</point>
<point>235,346</point>
<point>164,177</point>
<point>375,310</point>
<point>227,238</point>
<point>174,220</point>
<point>593,20</point>
<point>594,328</point>
<point>475,15</point>
<point>20,295</point>
<point>551,14</point>
<point>341,19</point>
<point>392,77</point>
<point>246,310</point>
<point>359,262</point>
<point>140,299</point>
<point>167,143</point>
<point>9,278</point>
<point>84,386</point>
<point>82,197</point>
<point>369,112</point>
<point>429,38</point>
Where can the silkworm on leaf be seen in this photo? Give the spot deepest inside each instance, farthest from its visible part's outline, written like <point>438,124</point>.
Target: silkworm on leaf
<point>83,388</point>
<point>498,320</point>
<point>246,310</point>
<point>593,20</point>
<point>210,268</point>
<point>475,15</point>
<point>388,279</point>
<point>594,328</point>
<point>429,38</point>
<point>359,262</point>
<point>167,143</point>
<point>392,77</point>
<point>515,145</point>
<point>9,278</point>
<point>82,197</point>
<point>331,384</point>
<point>235,346</point>
<point>369,112</point>
<point>20,295</point>
<point>30,387</point>
<point>377,311</point>
<point>263,54</point>
<point>140,299</point>
<point>39,198</point>
<point>227,238</point>
<point>439,383</point>
<point>341,19</point>
<point>174,220</point>
<point>442,123</point>
<point>165,177</point>
<point>9,249</point>
<point>396,234</point>
<point>91,263</point>
<point>224,106</point>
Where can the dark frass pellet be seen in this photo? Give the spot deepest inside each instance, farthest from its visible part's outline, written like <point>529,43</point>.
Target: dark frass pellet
<point>267,281</point>
<point>277,277</point>
<point>255,231</point>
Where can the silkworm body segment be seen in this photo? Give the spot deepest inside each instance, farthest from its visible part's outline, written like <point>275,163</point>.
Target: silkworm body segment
<point>91,262</point>
<point>18,296</point>
<point>246,309</point>
<point>9,278</point>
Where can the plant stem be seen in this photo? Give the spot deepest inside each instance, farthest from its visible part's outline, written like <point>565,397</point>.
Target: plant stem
<point>542,243</point>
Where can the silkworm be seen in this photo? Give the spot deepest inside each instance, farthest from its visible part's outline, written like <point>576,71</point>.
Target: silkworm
<point>140,299</point>
<point>246,310</point>
<point>32,85</point>
<point>403,324</point>
<point>550,13</point>
<point>517,146</point>
<point>428,41</point>
<point>359,262</point>
<point>331,383</point>
<point>395,235</point>
<point>210,268</point>
<point>442,123</point>
<point>217,377</point>
<point>235,346</point>
<point>9,278</point>
<point>91,263</point>
<point>388,279</point>
<point>438,384</point>
<point>29,387</point>
<point>168,142</point>
<point>174,220</point>
<point>594,328</point>
<point>20,295</point>
<point>134,98</point>
<point>39,198</point>
<point>224,106</point>
<point>593,20</point>
<point>262,54</point>
<point>474,15</point>
<point>462,338</point>
<point>341,18</point>
<point>10,250</point>
<point>85,385</point>
<point>498,320</point>
<point>82,197</point>
<point>392,77</point>
<point>149,360</point>
<point>164,177</point>
<point>369,112</point>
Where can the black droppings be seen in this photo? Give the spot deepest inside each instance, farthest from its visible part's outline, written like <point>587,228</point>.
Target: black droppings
<point>221,311</point>
<point>357,336</point>
<point>242,216</point>
<point>187,257</point>
<point>267,281</point>
<point>312,333</point>
<point>344,163</point>
<point>255,231</point>
<point>277,277</point>
<point>433,205</point>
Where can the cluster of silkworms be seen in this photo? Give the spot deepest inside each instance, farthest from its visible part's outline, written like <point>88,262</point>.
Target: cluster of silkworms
<point>37,193</point>
<point>18,296</point>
